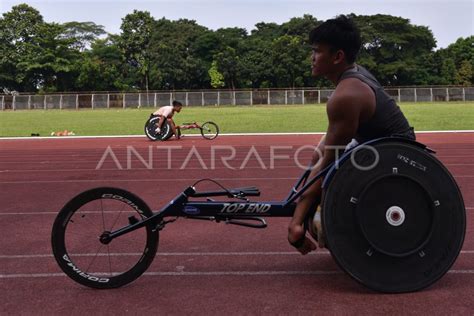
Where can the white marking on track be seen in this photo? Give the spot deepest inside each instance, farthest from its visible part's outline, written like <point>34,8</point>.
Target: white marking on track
<point>162,180</point>
<point>170,254</point>
<point>88,212</point>
<point>197,135</point>
<point>163,168</point>
<point>180,254</point>
<point>141,180</point>
<point>207,273</point>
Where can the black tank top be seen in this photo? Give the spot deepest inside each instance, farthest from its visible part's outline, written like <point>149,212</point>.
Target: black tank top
<point>388,119</point>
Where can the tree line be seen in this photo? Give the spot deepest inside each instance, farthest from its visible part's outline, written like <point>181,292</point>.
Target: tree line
<point>161,54</point>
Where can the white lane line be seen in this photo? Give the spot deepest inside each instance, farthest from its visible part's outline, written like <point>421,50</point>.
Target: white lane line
<point>180,254</point>
<point>172,273</point>
<point>123,159</point>
<point>296,167</point>
<point>162,180</point>
<point>244,273</point>
<point>197,135</point>
<point>30,275</point>
<point>33,213</point>
<point>170,169</point>
<point>448,131</point>
<point>208,273</point>
<point>141,136</point>
<point>87,212</point>
<point>61,159</point>
<point>146,180</point>
<point>144,159</point>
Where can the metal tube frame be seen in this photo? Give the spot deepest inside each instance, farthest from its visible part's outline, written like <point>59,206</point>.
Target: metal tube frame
<point>228,210</point>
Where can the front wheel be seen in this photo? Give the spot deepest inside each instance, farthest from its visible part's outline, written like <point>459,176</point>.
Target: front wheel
<point>76,232</point>
<point>209,130</point>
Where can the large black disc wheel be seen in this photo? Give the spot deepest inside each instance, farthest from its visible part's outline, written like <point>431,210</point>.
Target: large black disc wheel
<point>394,217</point>
<point>151,126</point>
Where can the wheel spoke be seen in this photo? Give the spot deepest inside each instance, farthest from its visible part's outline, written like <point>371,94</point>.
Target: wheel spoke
<point>102,213</point>
<point>116,219</point>
<point>93,259</point>
<point>110,263</point>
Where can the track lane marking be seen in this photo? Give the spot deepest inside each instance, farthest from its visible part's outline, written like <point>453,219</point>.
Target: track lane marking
<point>93,212</point>
<point>197,135</point>
<point>210,273</point>
<point>161,180</point>
<point>163,168</point>
<point>186,254</point>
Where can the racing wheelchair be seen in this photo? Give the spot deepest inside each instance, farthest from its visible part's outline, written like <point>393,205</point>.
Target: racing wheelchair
<point>208,130</point>
<point>393,217</point>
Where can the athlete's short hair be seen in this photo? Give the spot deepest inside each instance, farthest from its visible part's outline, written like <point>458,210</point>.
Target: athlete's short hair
<point>177,103</point>
<point>339,33</point>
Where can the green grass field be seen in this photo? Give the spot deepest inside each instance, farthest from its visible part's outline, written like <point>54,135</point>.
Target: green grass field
<point>244,119</point>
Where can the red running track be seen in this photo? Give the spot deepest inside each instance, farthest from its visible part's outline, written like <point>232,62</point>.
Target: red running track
<point>201,268</point>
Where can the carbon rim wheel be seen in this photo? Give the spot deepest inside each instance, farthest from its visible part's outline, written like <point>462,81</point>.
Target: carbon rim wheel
<point>209,130</point>
<point>76,232</point>
<point>150,129</point>
<point>399,226</point>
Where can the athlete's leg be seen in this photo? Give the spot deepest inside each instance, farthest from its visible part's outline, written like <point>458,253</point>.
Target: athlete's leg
<point>173,128</point>
<point>296,229</point>
<point>159,124</point>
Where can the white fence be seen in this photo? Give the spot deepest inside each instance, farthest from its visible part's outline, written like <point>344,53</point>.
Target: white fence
<point>206,98</point>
